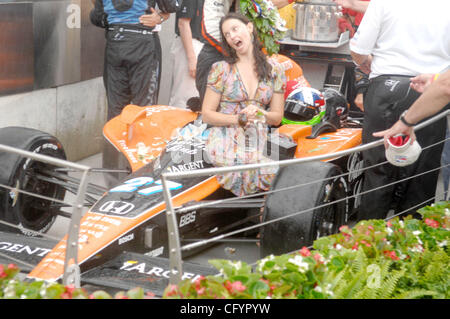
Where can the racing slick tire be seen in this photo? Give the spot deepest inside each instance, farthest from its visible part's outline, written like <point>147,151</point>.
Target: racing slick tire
<point>25,211</point>
<point>290,234</point>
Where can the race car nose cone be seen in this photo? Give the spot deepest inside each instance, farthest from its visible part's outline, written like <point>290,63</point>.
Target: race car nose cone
<point>401,152</point>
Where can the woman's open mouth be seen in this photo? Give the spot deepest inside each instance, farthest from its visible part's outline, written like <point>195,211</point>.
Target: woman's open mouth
<point>237,44</point>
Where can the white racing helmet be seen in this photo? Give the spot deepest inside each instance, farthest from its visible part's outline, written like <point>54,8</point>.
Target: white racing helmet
<point>401,152</point>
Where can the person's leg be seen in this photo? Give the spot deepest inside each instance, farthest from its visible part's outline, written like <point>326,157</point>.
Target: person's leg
<point>421,189</point>
<point>183,84</point>
<point>381,111</point>
<point>116,76</point>
<point>118,96</point>
<point>144,67</point>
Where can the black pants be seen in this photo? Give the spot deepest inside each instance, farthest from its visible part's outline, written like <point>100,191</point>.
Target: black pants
<point>206,58</point>
<point>132,70</point>
<point>387,97</point>
<point>131,75</point>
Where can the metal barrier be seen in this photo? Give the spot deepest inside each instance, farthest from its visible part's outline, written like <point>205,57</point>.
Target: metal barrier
<point>71,268</point>
<point>174,240</point>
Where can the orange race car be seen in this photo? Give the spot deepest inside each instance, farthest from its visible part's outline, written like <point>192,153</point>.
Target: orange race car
<point>123,237</point>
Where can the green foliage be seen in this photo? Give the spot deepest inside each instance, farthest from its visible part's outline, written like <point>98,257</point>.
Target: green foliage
<point>406,258</point>
<point>12,288</point>
<point>374,260</point>
<point>268,23</point>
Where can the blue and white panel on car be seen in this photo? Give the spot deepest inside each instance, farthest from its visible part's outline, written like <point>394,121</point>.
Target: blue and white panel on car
<point>132,185</point>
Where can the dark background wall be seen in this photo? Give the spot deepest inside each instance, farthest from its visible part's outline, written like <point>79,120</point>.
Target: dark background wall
<point>45,44</point>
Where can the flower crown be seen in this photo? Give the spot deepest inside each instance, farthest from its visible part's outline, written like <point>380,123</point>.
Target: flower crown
<point>268,22</point>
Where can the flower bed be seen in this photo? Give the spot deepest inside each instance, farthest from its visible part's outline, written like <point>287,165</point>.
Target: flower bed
<point>375,259</point>
<point>12,288</point>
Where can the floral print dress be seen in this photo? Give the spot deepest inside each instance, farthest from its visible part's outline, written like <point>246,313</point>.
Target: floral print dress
<point>234,145</point>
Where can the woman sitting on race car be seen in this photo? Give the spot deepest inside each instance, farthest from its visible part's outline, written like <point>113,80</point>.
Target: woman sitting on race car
<point>244,96</point>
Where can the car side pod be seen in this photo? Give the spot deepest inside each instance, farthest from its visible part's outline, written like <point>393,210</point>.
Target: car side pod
<point>312,218</point>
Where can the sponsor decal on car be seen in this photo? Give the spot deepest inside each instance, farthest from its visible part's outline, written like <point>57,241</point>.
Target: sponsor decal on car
<point>156,252</point>
<point>132,185</point>
<point>187,219</point>
<point>126,239</point>
<point>143,268</point>
<point>19,249</point>
<point>116,207</point>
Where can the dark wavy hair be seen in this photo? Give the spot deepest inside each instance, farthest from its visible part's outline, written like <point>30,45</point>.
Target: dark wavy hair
<point>262,67</point>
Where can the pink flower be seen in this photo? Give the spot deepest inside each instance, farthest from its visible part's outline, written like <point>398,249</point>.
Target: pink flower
<point>391,254</point>
<point>305,252</point>
<point>432,223</point>
<point>238,286</point>
<point>70,288</point>
<point>172,291</point>
<point>201,291</point>
<point>318,258</point>
<point>198,281</point>
<point>365,243</point>
<point>343,228</point>
<point>12,267</point>
<point>234,287</point>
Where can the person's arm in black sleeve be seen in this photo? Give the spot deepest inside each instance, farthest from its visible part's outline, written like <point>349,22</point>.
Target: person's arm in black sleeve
<point>169,6</point>
<point>98,16</point>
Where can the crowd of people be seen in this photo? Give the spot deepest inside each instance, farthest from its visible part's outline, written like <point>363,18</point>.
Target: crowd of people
<point>217,56</point>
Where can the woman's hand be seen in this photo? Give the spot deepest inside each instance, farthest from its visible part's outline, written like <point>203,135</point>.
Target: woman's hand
<point>252,112</point>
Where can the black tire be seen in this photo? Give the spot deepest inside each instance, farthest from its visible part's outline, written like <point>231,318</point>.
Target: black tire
<point>300,230</point>
<point>355,181</point>
<point>25,211</point>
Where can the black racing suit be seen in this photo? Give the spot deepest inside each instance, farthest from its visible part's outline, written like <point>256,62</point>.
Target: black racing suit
<point>132,65</point>
<point>386,99</point>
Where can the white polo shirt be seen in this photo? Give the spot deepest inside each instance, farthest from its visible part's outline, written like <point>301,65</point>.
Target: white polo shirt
<point>405,37</point>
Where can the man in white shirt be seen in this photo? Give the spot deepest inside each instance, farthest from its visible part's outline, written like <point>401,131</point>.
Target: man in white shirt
<point>396,41</point>
<point>185,49</point>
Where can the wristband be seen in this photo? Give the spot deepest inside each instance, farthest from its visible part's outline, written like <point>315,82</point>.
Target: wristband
<point>161,17</point>
<point>435,77</point>
<point>402,118</point>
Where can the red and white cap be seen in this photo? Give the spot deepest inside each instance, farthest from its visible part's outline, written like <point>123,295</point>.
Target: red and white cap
<point>401,152</point>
